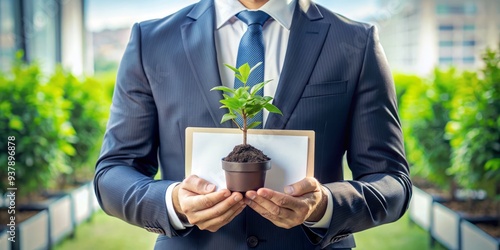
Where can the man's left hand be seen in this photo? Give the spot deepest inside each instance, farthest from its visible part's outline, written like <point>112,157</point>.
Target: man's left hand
<point>303,201</point>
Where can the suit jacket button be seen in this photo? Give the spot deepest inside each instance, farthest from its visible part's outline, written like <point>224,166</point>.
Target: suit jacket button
<point>252,241</point>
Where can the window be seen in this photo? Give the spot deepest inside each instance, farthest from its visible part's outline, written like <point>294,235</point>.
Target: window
<point>470,8</point>
<point>469,43</point>
<point>34,26</point>
<point>42,32</point>
<point>445,43</point>
<point>8,32</point>
<point>469,27</point>
<point>453,9</point>
<point>445,60</point>
<point>446,27</point>
<point>469,60</point>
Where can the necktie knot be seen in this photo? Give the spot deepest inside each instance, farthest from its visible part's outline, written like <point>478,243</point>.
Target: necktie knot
<point>253,17</point>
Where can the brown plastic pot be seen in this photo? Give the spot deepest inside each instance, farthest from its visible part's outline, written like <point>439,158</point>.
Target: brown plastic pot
<point>244,176</point>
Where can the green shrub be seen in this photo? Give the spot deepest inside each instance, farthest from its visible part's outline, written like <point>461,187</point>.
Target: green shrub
<point>425,112</point>
<point>475,128</point>
<point>88,115</point>
<point>403,82</point>
<point>58,123</point>
<point>36,114</point>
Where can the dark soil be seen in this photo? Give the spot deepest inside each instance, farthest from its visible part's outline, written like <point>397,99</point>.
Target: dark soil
<point>493,230</point>
<point>438,193</point>
<point>475,208</point>
<point>20,215</point>
<point>246,153</point>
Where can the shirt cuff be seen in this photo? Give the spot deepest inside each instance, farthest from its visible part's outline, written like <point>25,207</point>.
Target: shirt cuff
<point>324,222</point>
<point>175,221</point>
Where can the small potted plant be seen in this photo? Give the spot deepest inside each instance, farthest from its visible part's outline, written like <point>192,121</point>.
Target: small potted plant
<point>246,166</point>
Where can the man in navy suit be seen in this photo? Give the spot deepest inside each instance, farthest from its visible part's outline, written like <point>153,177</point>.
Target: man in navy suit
<point>331,76</point>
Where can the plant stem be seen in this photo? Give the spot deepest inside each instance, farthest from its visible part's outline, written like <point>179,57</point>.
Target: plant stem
<point>244,116</point>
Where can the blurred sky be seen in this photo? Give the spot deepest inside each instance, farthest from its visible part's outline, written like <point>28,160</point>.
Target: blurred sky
<point>104,14</point>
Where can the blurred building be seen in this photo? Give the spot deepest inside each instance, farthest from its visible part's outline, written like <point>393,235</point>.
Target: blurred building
<point>108,48</point>
<point>48,31</point>
<point>419,35</point>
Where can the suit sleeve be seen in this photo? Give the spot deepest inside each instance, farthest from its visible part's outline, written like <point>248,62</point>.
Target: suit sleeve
<point>381,187</point>
<point>124,179</point>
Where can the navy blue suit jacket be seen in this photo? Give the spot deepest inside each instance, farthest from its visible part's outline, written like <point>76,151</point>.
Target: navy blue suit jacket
<point>335,81</point>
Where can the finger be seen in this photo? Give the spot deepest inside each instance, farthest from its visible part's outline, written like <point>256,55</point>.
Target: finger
<point>274,203</point>
<point>201,202</point>
<point>268,215</point>
<point>198,185</point>
<point>304,186</point>
<point>216,223</point>
<point>277,198</point>
<point>219,208</point>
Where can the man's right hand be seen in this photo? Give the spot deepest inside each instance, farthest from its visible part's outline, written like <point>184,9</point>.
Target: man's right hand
<point>196,201</point>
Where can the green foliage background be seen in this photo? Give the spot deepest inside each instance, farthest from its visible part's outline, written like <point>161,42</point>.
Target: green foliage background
<point>425,113</point>
<point>57,121</point>
<point>451,125</point>
<point>475,127</point>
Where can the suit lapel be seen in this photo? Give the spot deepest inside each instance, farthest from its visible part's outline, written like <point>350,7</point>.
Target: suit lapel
<point>306,40</point>
<point>199,45</point>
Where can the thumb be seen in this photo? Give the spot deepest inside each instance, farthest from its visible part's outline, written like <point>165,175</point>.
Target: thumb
<point>198,185</point>
<point>304,186</point>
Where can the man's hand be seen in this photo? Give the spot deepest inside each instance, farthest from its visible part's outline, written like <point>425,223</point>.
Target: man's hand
<point>303,201</point>
<point>196,201</point>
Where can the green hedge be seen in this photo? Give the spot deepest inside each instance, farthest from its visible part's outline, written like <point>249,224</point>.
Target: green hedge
<point>57,121</point>
<point>451,124</point>
<point>89,104</point>
<point>425,113</point>
<point>475,127</point>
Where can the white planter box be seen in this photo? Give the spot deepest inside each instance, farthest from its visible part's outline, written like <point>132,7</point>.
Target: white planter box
<point>420,208</point>
<point>81,203</point>
<point>61,222</point>
<point>474,238</point>
<point>445,226</point>
<point>4,240</point>
<point>33,233</point>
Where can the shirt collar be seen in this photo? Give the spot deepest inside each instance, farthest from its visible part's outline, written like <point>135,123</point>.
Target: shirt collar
<point>279,10</point>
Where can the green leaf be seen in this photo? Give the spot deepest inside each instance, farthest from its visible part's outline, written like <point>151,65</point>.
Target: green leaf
<point>232,103</point>
<point>16,123</point>
<point>254,67</point>
<point>273,109</point>
<point>223,88</point>
<point>253,110</point>
<point>493,164</point>
<point>255,100</point>
<point>232,68</point>
<point>228,117</point>
<point>241,92</point>
<point>258,87</point>
<point>244,71</point>
<point>267,99</point>
<point>254,124</point>
<point>243,80</point>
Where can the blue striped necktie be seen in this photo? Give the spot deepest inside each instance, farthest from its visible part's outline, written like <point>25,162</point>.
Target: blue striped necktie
<point>251,51</point>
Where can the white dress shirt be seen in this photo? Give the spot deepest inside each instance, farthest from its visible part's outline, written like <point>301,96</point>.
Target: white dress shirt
<point>229,30</point>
